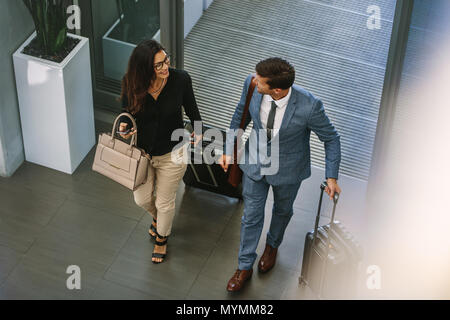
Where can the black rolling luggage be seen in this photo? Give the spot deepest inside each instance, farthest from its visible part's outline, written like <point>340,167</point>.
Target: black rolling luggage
<point>209,177</point>
<point>330,267</point>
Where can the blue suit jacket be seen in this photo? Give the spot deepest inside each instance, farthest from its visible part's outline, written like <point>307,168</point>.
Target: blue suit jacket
<point>304,113</point>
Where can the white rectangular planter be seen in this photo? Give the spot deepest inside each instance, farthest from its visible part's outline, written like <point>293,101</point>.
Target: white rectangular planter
<point>56,107</point>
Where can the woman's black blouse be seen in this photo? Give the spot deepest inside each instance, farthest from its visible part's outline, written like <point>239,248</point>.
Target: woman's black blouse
<point>158,119</point>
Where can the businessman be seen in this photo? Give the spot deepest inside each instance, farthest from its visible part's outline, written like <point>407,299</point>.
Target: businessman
<point>287,114</point>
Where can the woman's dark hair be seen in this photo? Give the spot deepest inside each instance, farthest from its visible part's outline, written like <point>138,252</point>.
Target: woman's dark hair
<point>281,73</point>
<point>139,74</point>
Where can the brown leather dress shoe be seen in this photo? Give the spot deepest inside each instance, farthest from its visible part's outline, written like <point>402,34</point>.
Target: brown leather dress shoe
<point>268,259</point>
<point>238,280</point>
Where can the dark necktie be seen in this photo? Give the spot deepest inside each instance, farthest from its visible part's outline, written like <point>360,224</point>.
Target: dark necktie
<point>271,120</point>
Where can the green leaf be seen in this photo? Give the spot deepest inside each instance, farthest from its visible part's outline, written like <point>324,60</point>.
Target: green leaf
<point>61,39</point>
<point>40,17</point>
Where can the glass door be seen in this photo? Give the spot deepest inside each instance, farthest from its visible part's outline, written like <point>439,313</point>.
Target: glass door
<point>114,29</point>
<point>133,21</point>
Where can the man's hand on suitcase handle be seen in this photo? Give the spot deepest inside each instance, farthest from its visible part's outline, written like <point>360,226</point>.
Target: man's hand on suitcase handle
<point>332,187</point>
<point>225,161</point>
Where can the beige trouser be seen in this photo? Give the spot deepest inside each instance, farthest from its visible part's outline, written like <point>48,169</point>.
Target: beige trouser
<point>158,194</point>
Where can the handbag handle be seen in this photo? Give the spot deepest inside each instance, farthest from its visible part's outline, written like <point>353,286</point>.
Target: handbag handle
<point>134,137</point>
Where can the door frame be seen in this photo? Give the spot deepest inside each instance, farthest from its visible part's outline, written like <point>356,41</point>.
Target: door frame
<point>392,79</point>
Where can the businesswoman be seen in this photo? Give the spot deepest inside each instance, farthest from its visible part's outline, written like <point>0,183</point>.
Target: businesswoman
<point>153,93</point>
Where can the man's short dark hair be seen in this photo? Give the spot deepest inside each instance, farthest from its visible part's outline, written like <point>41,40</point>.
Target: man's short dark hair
<point>281,73</point>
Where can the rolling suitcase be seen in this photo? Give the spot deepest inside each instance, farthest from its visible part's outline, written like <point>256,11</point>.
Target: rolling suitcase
<point>331,258</point>
<point>210,177</point>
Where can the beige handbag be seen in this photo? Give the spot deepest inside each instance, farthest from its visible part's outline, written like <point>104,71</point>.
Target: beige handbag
<point>122,162</point>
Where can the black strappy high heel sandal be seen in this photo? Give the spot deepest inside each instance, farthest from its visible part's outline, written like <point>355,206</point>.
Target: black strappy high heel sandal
<point>153,228</point>
<point>160,244</point>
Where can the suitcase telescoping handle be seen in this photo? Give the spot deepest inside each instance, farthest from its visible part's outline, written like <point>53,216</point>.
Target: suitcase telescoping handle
<point>335,201</point>
<point>316,227</point>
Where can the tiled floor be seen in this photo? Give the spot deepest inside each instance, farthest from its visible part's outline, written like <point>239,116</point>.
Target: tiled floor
<point>50,220</point>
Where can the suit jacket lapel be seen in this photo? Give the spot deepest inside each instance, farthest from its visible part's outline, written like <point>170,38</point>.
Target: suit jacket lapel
<point>255,107</point>
<point>290,109</point>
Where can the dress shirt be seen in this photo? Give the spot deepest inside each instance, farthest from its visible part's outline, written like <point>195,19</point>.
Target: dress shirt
<point>266,105</point>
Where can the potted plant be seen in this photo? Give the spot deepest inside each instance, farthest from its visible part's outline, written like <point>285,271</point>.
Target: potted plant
<point>54,88</point>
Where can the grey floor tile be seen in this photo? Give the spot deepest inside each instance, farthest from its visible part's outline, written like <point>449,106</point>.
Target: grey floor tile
<point>106,290</point>
<point>224,261</point>
<point>139,247</point>
<point>103,188</point>
<point>166,281</point>
<point>124,207</point>
<point>221,264</point>
<point>133,267</point>
<point>103,193</point>
<point>207,206</point>
<point>28,206</point>
<point>9,259</point>
<point>92,224</point>
<point>18,235</point>
<point>71,249</point>
<point>31,283</point>
<point>45,265</point>
<point>212,288</point>
<point>45,180</point>
<point>41,274</point>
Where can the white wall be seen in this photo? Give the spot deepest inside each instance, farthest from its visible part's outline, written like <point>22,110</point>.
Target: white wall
<point>193,10</point>
<point>16,25</point>
<point>206,4</point>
